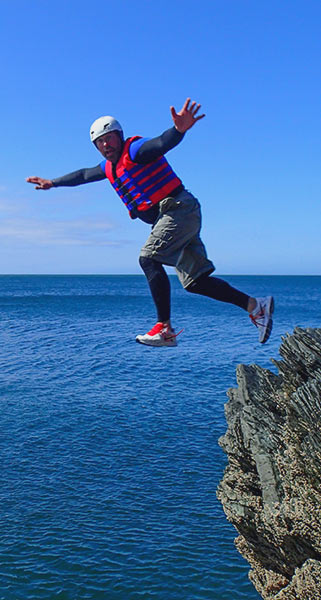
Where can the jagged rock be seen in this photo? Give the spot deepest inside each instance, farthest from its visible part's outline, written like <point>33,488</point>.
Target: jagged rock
<point>271,489</point>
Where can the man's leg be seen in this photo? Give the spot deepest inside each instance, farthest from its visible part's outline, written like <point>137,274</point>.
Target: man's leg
<point>159,286</point>
<point>177,224</point>
<point>162,333</point>
<point>259,309</point>
<point>216,288</point>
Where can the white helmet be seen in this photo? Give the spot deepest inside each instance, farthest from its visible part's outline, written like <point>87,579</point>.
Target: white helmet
<point>104,125</point>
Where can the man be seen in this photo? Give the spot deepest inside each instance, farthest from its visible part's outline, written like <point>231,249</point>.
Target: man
<point>151,191</point>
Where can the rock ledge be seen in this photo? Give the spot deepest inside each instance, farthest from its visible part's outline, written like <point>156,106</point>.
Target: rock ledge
<point>271,489</point>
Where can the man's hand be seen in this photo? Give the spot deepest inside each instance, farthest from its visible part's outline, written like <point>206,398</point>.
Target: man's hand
<point>186,117</point>
<point>41,184</point>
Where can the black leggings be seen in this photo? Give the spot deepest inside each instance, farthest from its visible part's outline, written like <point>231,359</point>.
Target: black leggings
<point>205,286</point>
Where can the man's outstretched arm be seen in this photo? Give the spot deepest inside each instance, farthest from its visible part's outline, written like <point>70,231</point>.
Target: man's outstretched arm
<point>145,151</point>
<point>71,179</point>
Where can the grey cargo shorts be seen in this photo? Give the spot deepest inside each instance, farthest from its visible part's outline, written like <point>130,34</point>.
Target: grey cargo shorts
<point>175,238</point>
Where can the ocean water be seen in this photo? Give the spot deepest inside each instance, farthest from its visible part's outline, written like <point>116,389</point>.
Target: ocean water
<point>109,449</point>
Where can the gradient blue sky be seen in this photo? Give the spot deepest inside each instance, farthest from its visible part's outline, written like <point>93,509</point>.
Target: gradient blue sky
<point>253,162</point>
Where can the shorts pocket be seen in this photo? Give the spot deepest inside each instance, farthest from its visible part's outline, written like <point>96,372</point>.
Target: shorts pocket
<point>168,204</point>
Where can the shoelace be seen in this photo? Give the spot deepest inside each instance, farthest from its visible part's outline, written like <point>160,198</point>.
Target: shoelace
<point>158,329</point>
<point>174,335</point>
<point>255,319</point>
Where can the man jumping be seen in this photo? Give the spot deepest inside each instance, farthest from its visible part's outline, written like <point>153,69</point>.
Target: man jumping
<point>151,191</point>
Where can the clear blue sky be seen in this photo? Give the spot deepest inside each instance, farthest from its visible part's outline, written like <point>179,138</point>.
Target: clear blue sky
<point>253,162</point>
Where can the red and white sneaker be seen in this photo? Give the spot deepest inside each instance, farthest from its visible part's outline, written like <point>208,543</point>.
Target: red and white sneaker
<point>261,317</point>
<point>160,335</point>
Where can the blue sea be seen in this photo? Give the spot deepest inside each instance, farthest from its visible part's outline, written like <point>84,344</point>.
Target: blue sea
<point>109,449</point>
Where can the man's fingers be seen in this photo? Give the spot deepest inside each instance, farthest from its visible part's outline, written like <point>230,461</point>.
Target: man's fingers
<point>186,103</point>
<point>40,183</point>
<point>199,117</point>
<point>195,108</point>
<point>37,180</point>
<point>188,107</point>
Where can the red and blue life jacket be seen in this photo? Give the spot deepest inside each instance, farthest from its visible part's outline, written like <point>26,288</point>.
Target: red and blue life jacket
<point>141,186</point>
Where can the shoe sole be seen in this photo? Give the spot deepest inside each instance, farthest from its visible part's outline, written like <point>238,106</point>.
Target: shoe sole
<point>159,344</point>
<point>269,326</point>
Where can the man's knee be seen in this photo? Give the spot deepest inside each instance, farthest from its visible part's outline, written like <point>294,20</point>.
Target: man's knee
<point>150,266</point>
<point>191,287</point>
<point>196,285</point>
<point>146,263</point>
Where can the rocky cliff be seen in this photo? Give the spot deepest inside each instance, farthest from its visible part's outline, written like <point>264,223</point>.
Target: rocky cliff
<point>271,489</point>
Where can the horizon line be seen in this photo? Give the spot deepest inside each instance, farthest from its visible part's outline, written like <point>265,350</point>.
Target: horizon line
<point>142,275</point>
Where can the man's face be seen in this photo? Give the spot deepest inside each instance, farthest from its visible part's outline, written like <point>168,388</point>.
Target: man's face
<point>110,146</point>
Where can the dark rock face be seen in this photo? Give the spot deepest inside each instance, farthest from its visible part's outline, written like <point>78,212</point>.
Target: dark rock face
<point>271,489</point>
